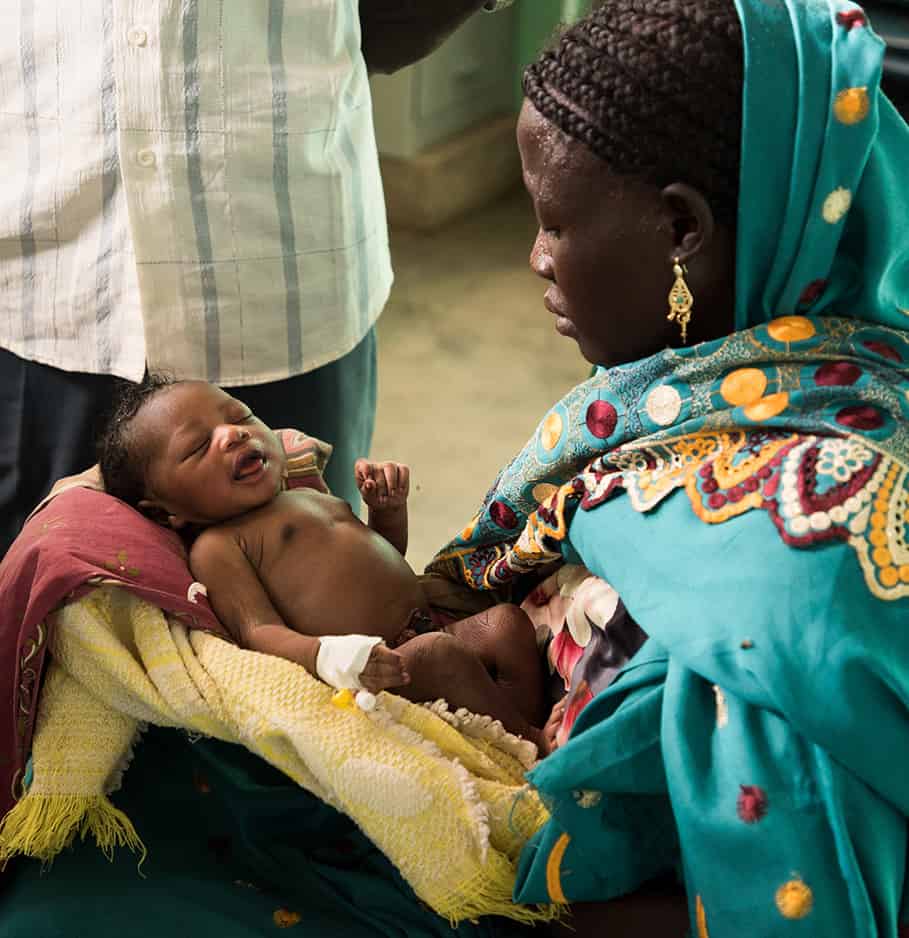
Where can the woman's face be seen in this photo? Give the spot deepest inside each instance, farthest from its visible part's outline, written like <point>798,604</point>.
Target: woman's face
<point>606,244</point>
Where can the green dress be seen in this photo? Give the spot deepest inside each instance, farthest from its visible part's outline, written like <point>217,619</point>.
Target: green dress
<point>235,850</point>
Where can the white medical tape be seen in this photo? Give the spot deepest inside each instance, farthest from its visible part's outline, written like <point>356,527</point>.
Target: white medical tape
<point>341,659</point>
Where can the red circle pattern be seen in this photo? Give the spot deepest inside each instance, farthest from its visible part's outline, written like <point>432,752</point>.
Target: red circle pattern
<point>882,349</point>
<point>837,373</point>
<point>503,515</point>
<point>860,417</point>
<point>601,419</point>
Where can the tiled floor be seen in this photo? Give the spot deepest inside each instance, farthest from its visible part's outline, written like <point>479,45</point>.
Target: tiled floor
<point>469,362</point>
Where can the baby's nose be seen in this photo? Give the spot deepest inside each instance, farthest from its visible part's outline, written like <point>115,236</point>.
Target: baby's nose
<point>229,435</point>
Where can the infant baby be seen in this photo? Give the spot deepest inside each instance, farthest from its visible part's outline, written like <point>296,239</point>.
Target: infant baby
<point>294,573</point>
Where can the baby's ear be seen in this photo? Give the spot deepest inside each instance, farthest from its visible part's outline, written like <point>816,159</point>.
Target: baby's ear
<point>159,514</point>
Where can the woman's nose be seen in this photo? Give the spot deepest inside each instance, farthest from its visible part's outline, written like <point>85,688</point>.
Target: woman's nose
<point>229,435</point>
<point>540,258</point>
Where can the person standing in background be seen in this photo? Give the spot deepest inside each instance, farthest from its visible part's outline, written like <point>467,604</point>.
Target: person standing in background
<point>193,187</point>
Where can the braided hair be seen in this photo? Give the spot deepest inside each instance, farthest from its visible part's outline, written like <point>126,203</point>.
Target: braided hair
<point>122,460</point>
<point>653,88</point>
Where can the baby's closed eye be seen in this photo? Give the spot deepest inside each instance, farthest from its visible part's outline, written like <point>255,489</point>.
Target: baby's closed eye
<point>197,448</point>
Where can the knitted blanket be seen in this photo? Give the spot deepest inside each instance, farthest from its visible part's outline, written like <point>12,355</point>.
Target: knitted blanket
<point>440,793</point>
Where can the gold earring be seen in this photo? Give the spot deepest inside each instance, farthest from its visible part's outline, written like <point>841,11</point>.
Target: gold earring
<point>681,301</point>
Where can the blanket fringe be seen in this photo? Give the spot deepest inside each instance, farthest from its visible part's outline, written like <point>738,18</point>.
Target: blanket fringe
<point>490,894</point>
<point>479,726</point>
<point>40,826</point>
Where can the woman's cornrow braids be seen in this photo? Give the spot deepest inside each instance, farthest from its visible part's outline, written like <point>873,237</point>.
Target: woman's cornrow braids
<point>654,88</point>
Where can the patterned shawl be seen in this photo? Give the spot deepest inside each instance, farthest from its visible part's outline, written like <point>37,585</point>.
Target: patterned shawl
<point>665,423</point>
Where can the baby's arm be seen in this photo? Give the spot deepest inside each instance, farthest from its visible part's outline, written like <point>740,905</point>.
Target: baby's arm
<point>242,605</point>
<point>241,602</point>
<point>384,487</point>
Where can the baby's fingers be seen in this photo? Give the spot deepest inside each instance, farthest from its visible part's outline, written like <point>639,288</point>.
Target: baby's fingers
<point>363,475</point>
<point>385,668</point>
<point>381,484</point>
<point>403,480</point>
<point>391,474</point>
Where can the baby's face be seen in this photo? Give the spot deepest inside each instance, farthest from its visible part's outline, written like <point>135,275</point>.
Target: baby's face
<point>209,459</point>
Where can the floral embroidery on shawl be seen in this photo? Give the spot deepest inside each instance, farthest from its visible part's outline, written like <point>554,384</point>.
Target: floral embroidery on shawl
<point>815,489</point>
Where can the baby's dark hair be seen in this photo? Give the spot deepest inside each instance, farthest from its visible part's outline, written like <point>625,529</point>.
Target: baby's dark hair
<point>654,88</point>
<point>122,459</point>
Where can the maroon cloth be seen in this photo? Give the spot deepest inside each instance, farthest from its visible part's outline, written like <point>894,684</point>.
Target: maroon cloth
<point>74,542</point>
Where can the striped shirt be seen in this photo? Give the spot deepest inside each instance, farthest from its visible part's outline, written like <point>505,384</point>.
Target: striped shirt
<point>190,184</point>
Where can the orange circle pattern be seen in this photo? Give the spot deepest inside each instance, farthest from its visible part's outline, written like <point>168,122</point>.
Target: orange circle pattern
<point>743,387</point>
<point>543,491</point>
<point>889,574</point>
<point>551,432</point>
<point>767,407</point>
<point>852,106</point>
<point>794,899</point>
<point>791,329</point>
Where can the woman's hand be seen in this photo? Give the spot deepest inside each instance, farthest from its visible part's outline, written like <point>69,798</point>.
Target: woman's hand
<point>383,486</point>
<point>384,669</point>
<point>551,729</point>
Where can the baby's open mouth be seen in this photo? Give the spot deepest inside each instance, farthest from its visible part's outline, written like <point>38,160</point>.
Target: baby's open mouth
<point>249,464</point>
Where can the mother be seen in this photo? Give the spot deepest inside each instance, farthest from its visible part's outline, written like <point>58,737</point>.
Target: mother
<point>748,492</point>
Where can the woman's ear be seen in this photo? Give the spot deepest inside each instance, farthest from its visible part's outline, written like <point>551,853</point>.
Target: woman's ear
<point>692,220</point>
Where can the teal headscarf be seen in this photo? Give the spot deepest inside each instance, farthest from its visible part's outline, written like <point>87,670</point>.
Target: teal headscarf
<point>823,220</point>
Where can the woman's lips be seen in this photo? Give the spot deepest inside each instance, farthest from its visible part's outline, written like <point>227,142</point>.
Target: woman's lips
<point>564,326</point>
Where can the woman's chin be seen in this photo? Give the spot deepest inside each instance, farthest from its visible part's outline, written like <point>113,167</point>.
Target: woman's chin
<point>593,355</point>
<point>565,327</point>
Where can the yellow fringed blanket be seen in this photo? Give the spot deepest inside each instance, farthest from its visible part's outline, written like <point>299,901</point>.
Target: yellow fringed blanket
<point>441,794</point>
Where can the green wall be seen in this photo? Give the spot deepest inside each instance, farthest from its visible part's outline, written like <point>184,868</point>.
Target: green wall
<point>537,22</point>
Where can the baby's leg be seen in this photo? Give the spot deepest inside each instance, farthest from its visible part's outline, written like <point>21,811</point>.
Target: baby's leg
<point>441,665</point>
<point>505,641</point>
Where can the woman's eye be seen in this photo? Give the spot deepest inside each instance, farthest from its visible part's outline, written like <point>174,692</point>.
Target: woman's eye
<point>554,233</point>
<point>202,447</point>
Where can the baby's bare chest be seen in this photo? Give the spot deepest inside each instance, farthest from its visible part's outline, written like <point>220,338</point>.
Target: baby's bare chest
<point>320,564</point>
<point>294,526</point>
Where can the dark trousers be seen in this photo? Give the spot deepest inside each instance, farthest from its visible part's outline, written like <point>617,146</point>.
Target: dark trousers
<point>49,420</point>
<point>48,423</point>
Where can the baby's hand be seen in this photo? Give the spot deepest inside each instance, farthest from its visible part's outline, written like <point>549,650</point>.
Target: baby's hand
<point>382,485</point>
<point>384,669</point>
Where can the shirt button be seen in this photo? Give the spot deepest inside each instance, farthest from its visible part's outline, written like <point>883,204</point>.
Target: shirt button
<point>146,158</point>
<point>136,36</point>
